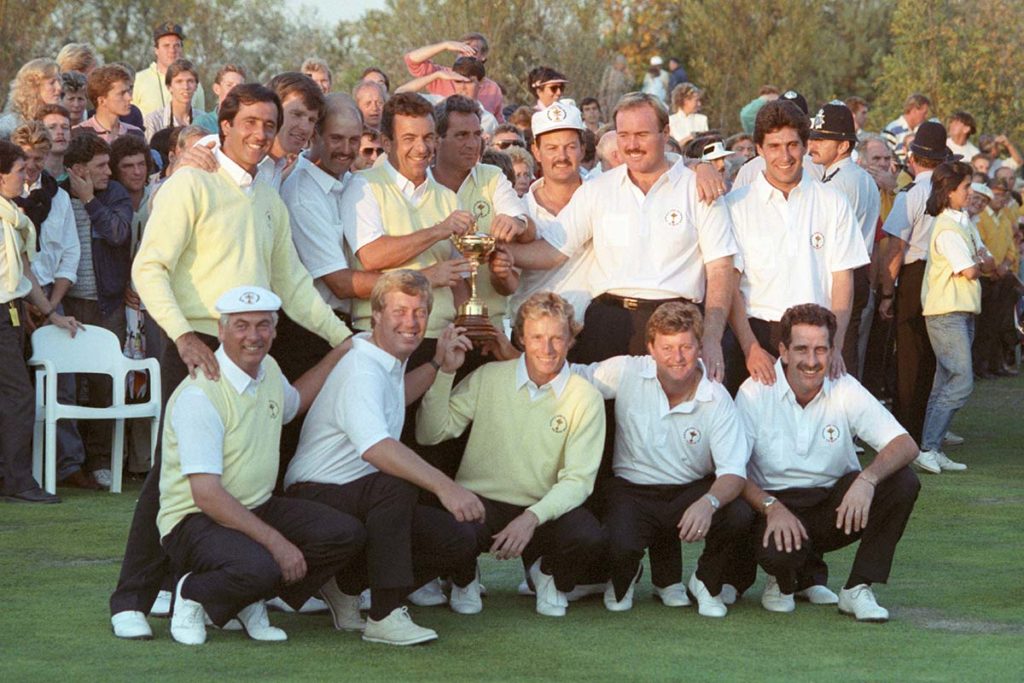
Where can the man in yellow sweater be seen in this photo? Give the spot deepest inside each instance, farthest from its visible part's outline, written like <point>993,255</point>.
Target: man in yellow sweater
<point>217,231</point>
<point>532,456</point>
<point>234,542</point>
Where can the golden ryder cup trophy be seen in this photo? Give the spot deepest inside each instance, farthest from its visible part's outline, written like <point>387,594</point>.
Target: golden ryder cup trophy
<point>473,316</point>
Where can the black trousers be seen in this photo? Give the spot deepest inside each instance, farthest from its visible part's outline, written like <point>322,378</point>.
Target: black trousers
<point>145,569</point>
<point>567,546</point>
<point>229,570</point>
<point>639,515</point>
<point>997,300</point>
<point>879,359</point>
<point>915,360</point>
<point>407,544</point>
<point>768,335</point>
<point>861,290</point>
<point>816,508</point>
<point>17,404</point>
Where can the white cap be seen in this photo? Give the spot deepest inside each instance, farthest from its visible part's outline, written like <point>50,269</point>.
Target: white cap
<point>656,61</point>
<point>561,115</point>
<point>981,188</point>
<point>715,150</point>
<point>247,300</point>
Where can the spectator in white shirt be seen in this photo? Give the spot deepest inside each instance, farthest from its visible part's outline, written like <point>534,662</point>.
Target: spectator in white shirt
<point>687,121</point>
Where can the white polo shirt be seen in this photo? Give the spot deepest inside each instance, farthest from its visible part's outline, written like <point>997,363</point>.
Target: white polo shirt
<point>651,246</point>
<point>313,198</point>
<point>809,447</point>
<point>59,248</point>
<point>655,444</point>
<point>790,247</point>
<point>909,221</point>
<point>860,190</point>
<point>753,169</point>
<point>569,280</point>
<point>361,404</point>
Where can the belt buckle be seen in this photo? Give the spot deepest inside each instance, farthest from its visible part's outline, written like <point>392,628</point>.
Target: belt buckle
<point>630,304</point>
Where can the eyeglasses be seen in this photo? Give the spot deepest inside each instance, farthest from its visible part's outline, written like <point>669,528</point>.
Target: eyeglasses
<point>505,144</point>
<point>555,87</point>
<point>371,152</point>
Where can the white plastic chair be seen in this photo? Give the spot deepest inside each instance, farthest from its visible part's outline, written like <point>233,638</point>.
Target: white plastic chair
<point>93,350</point>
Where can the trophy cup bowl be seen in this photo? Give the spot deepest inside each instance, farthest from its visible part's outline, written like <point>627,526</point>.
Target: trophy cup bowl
<point>473,315</point>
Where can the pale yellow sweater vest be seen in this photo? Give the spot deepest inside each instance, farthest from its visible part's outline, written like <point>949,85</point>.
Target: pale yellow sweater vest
<point>477,197</point>
<point>252,437</point>
<point>402,217</point>
<point>942,291</point>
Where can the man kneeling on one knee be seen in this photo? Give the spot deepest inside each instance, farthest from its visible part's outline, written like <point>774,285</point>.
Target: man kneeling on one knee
<point>218,521</point>
<point>532,456</point>
<point>805,479</point>
<point>680,462</point>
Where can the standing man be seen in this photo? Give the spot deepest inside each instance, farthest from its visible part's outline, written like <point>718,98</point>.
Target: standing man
<point>805,480</point>
<point>915,112</point>
<point>419,64</point>
<point>532,456</point>
<point>218,230</point>
<point>151,92</point>
<point>832,140</point>
<point>653,239</point>
<point>110,89</point>
<point>319,71</point>
<point>615,82</point>
<point>228,76</point>
<point>233,541</point>
<point>799,241</point>
<point>909,228</point>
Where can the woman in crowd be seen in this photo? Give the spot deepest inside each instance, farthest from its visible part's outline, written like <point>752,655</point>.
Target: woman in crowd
<point>37,83</point>
<point>687,121</point>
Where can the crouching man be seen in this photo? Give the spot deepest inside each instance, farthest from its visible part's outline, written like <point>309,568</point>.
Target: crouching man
<point>532,455</point>
<point>235,543</point>
<point>805,480</point>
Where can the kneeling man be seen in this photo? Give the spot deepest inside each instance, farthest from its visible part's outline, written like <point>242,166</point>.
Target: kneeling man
<point>680,462</point>
<point>532,455</point>
<point>805,480</point>
<point>218,521</point>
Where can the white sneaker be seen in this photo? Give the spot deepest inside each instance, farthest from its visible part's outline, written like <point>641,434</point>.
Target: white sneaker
<point>948,465</point>
<point>927,462</point>
<point>774,600</point>
<point>583,590</point>
<point>551,602</point>
<point>162,605</point>
<point>708,605</point>
<point>344,608</point>
<point>103,477</point>
<point>728,594</point>
<point>256,623</point>
<point>524,588</point>
<point>673,596</point>
<point>818,595</point>
<point>466,600</point>
<point>397,628</point>
<point>951,439</point>
<point>859,602</point>
<point>188,625</point>
<point>131,625</point>
<point>430,594</point>
<point>312,606</point>
<point>613,605</point>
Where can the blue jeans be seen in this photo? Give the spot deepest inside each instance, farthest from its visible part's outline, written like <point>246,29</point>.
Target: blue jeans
<point>951,335</point>
<point>70,448</point>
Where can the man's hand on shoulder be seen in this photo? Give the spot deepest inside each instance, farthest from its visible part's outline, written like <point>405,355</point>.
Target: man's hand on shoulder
<point>200,157</point>
<point>761,365</point>
<point>195,354</point>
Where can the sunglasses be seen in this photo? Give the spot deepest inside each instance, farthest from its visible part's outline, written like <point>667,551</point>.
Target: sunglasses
<point>505,144</point>
<point>370,152</point>
<point>555,87</point>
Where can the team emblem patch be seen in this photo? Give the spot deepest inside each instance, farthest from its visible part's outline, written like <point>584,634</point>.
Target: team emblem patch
<point>692,436</point>
<point>674,217</point>
<point>481,209</point>
<point>819,120</point>
<point>249,297</point>
<point>275,410</point>
<point>817,240</point>
<point>556,114</point>
<point>559,424</point>
<point>830,433</point>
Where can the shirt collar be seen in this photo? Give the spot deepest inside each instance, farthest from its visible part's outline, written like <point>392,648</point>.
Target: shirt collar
<point>363,343</point>
<point>923,176</point>
<point>404,184</point>
<point>238,175</point>
<point>765,190</point>
<point>959,216</point>
<point>557,385</point>
<point>324,180</point>
<point>836,165</point>
<point>236,376</point>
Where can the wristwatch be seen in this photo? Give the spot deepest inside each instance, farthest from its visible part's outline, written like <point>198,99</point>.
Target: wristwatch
<point>715,503</point>
<point>767,503</point>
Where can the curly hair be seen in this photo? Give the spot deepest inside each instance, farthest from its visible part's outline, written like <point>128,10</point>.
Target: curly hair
<point>807,314</point>
<point>32,135</point>
<point>403,104</point>
<point>23,98</point>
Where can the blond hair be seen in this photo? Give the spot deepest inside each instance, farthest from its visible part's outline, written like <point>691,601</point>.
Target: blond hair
<point>638,100</point>
<point>32,135</point>
<point>77,57</point>
<point>543,304</point>
<point>675,317</point>
<point>24,94</point>
<point>410,282</point>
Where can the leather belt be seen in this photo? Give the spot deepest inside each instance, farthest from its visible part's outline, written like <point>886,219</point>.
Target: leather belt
<point>634,304</point>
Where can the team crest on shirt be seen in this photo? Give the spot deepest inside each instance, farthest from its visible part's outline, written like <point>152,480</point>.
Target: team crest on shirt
<point>481,209</point>
<point>674,217</point>
<point>817,240</point>
<point>275,410</point>
<point>559,424</point>
<point>830,433</point>
<point>692,436</point>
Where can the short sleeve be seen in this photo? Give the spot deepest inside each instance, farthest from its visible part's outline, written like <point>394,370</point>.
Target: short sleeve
<point>955,249</point>
<point>361,410</point>
<point>868,418</point>
<point>360,214</point>
<point>200,433</point>
<point>605,376</point>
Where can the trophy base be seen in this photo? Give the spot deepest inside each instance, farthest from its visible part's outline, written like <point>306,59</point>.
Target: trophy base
<point>478,328</point>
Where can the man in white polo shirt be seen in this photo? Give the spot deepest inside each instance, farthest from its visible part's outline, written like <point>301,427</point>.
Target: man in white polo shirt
<point>350,458</point>
<point>806,482</point>
<point>680,462</point>
<point>832,139</point>
<point>218,521</point>
<point>653,240</point>
<point>799,242</point>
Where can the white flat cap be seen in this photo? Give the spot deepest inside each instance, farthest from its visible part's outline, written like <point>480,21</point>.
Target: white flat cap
<point>983,190</point>
<point>715,150</point>
<point>248,299</point>
<point>560,115</point>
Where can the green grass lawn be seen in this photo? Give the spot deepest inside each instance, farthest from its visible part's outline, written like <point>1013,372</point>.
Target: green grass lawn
<point>956,598</point>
